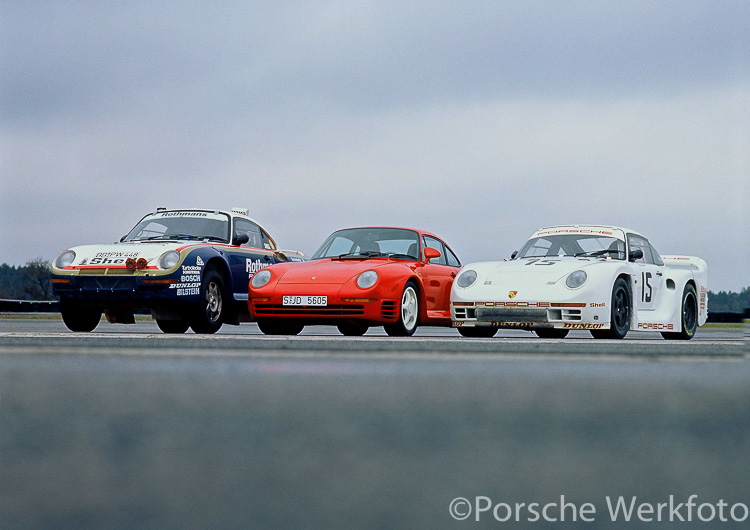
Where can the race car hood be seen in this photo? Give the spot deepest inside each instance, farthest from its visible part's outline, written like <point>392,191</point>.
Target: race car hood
<point>328,271</point>
<point>116,255</point>
<point>534,270</point>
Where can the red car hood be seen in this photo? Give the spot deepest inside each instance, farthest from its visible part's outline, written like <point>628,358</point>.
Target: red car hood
<point>328,271</point>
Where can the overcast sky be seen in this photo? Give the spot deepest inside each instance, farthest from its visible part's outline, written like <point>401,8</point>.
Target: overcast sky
<point>479,121</point>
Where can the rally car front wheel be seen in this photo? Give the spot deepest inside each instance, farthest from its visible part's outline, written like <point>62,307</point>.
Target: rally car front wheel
<point>79,318</point>
<point>209,315</point>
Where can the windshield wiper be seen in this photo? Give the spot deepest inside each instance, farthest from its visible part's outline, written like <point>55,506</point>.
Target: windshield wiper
<point>598,253</point>
<point>191,237</point>
<point>401,256</point>
<point>365,254</point>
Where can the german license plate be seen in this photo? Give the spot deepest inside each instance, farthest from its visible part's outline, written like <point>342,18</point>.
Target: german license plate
<point>305,300</point>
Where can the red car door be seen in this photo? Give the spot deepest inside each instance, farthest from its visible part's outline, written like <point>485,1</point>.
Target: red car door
<point>437,278</point>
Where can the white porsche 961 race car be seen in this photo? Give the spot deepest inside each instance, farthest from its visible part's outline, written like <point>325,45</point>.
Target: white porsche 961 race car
<point>604,279</point>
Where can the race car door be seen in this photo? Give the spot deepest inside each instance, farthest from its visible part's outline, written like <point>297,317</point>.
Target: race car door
<point>437,278</point>
<point>649,278</point>
<point>249,259</point>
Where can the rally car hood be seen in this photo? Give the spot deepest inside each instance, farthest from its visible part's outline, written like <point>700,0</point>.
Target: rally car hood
<point>541,270</point>
<point>92,256</point>
<point>326,271</point>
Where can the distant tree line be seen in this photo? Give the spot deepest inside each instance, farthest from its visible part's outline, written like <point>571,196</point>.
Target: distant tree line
<point>32,282</point>
<point>26,282</point>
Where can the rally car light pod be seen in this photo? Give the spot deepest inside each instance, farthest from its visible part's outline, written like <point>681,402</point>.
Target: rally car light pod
<point>169,259</point>
<point>467,278</point>
<point>65,259</point>
<point>367,279</point>
<point>261,278</point>
<point>575,279</point>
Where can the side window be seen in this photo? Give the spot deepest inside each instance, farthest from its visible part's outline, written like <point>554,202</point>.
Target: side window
<point>243,226</point>
<point>437,245</point>
<point>637,242</point>
<point>268,243</point>
<point>656,256</point>
<point>451,257</point>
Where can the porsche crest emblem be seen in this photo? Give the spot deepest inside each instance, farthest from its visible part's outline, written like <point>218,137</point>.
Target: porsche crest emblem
<point>512,294</point>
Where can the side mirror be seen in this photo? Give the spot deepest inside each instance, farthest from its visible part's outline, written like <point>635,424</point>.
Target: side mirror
<point>431,253</point>
<point>240,239</point>
<point>513,256</point>
<point>635,254</point>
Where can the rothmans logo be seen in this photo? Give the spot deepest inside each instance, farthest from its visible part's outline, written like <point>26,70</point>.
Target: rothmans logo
<point>512,294</point>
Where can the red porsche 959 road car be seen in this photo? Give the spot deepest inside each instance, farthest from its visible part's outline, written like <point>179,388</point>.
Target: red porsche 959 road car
<point>397,278</point>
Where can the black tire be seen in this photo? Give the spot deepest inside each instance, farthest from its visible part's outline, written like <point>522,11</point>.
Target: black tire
<point>212,304</point>
<point>281,328</point>
<point>620,313</point>
<point>172,326</point>
<point>689,316</point>
<point>551,333</point>
<point>477,332</point>
<point>408,313</point>
<point>79,318</point>
<point>352,330</point>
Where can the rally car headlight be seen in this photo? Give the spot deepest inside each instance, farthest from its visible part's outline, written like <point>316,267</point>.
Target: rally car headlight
<point>65,259</point>
<point>169,259</point>
<point>467,278</point>
<point>261,278</point>
<point>576,279</point>
<point>367,279</point>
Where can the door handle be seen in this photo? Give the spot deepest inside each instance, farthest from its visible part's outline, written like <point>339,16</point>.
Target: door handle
<point>453,274</point>
<point>659,273</point>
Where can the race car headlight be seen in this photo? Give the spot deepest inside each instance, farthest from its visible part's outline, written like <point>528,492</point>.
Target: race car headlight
<point>367,279</point>
<point>261,278</point>
<point>467,278</point>
<point>169,259</point>
<point>576,279</point>
<point>65,259</point>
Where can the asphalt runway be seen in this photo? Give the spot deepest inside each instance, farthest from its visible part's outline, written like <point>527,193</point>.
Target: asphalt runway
<point>129,428</point>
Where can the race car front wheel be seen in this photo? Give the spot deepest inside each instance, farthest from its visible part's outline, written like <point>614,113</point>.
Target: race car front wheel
<point>689,316</point>
<point>619,313</point>
<point>80,318</point>
<point>408,314</point>
<point>209,315</point>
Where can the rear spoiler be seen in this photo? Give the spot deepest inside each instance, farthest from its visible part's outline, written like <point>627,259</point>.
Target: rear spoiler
<point>685,262</point>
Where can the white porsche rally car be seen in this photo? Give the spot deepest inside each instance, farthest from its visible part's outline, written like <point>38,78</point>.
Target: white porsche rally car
<point>190,267</point>
<point>604,279</point>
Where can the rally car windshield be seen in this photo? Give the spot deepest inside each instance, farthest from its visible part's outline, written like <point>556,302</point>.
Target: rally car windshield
<point>191,226</point>
<point>578,245</point>
<point>395,243</point>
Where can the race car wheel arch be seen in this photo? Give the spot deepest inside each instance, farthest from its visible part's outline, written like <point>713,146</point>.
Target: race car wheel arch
<point>621,311</point>
<point>688,315</point>
<point>208,315</point>
<point>80,318</point>
<point>408,312</point>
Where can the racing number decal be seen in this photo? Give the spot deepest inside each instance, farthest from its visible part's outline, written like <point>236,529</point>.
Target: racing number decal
<point>646,296</point>
<point>537,261</point>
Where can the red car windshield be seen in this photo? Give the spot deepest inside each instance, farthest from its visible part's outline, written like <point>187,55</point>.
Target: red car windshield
<point>398,243</point>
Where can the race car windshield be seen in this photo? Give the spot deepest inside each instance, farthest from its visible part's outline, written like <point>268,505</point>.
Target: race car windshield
<point>396,243</point>
<point>190,226</point>
<point>578,245</point>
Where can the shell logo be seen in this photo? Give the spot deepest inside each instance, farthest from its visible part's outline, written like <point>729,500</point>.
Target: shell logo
<point>512,294</point>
